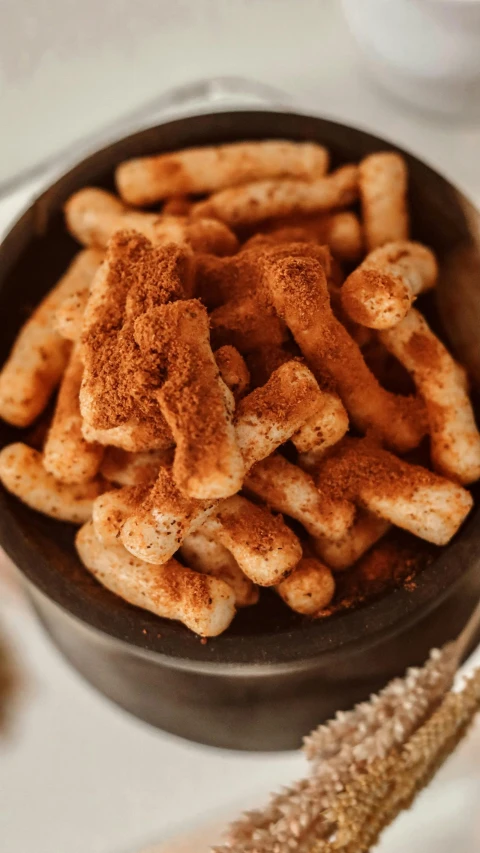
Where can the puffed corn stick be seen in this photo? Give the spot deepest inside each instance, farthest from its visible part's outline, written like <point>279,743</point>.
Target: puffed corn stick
<point>409,496</point>
<point>233,370</point>
<point>342,553</point>
<point>381,290</point>
<point>263,546</point>
<point>299,291</point>
<point>133,469</point>
<point>309,588</point>
<point>146,180</point>
<point>322,429</point>
<point>204,604</point>
<point>288,489</point>
<point>252,203</point>
<point>273,413</point>
<point>39,355</point>
<point>194,400</point>
<point>111,510</point>
<point>205,555</point>
<point>22,473</point>
<point>382,181</point>
<point>454,436</point>
<point>93,216</point>
<point>117,387</point>
<point>158,526</point>
<point>67,455</point>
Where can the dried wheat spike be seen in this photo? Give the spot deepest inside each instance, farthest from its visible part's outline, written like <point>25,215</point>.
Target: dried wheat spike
<point>372,728</point>
<point>372,799</point>
<point>368,765</point>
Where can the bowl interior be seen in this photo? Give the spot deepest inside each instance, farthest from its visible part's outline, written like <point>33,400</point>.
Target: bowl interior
<point>32,258</point>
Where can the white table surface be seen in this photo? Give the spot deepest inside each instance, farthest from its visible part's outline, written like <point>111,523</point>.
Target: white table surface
<point>78,775</point>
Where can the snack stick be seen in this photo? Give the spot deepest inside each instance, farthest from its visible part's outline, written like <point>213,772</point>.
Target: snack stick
<point>233,370</point>
<point>93,216</point>
<point>247,323</point>
<point>288,489</point>
<point>272,414</point>
<point>409,496</point>
<point>381,290</point>
<point>135,436</point>
<point>39,355</point>
<point>145,180</point>
<point>118,387</point>
<point>342,553</point>
<point>68,320</point>
<point>341,231</point>
<point>454,436</point>
<point>299,290</point>
<point>66,454</point>
<point>322,429</point>
<point>252,203</point>
<point>111,510</point>
<point>383,182</point>
<point>265,418</point>
<point>195,402</point>
<point>177,205</point>
<point>204,604</point>
<point>433,512</point>
<point>22,473</point>
<point>309,588</point>
<point>263,546</point>
<point>132,469</point>
<point>205,555</point>
<point>157,528</point>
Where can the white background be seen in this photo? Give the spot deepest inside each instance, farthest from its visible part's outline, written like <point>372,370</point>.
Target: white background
<point>78,775</point>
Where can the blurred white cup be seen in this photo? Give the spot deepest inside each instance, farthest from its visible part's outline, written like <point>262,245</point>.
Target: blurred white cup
<point>425,51</point>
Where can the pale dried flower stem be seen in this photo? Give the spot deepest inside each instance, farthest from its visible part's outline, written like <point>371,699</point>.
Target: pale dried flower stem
<point>368,764</point>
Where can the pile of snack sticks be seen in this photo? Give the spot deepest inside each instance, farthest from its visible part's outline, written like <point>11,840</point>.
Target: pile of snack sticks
<point>226,417</point>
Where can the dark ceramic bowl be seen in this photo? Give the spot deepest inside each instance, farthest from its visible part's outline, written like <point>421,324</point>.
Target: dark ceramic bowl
<point>273,675</point>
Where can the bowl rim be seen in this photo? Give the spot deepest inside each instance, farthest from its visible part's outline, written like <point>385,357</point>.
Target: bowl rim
<point>303,644</point>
